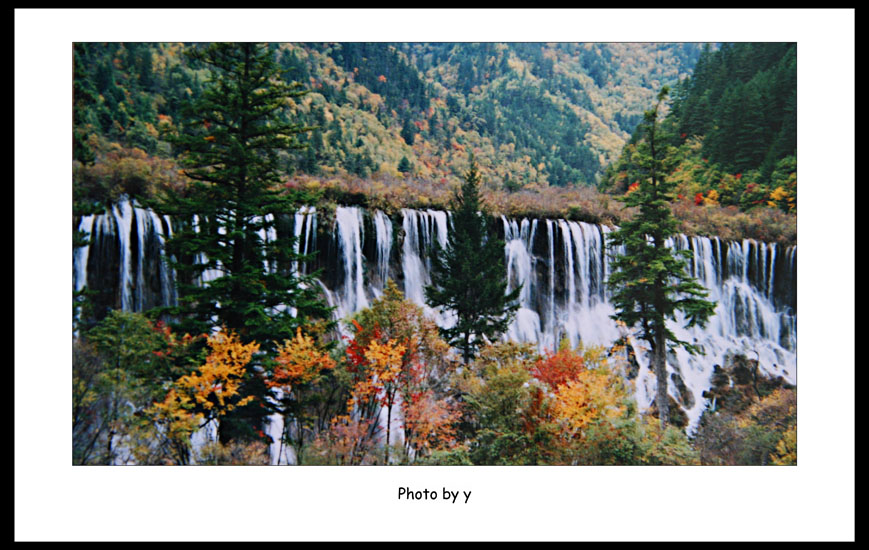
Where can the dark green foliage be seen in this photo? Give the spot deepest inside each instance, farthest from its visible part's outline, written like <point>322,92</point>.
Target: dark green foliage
<point>743,99</point>
<point>231,138</point>
<point>731,124</point>
<point>408,132</point>
<point>380,68</point>
<point>404,166</point>
<point>468,275</point>
<point>650,282</point>
<point>451,457</point>
<point>84,98</point>
<point>119,367</point>
<point>528,118</point>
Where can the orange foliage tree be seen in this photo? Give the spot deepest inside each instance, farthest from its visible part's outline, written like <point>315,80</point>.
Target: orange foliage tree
<point>214,388</point>
<point>379,385</point>
<point>420,384</point>
<point>430,423</point>
<point>299,365</point>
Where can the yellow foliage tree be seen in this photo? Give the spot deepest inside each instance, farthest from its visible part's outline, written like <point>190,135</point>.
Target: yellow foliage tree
<point>385,360</point>
<point>786,451</point>
<point>300,361</point>
<point>175,422</point>
<point>782,198</point>
<point>711,198</point>
<point>594,395</point>
<point>214,389</point>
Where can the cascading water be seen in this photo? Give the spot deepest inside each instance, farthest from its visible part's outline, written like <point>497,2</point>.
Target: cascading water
<point>562,266</point>
<point>520,265</point>
<point>421,228</point>
<point>123,259</point>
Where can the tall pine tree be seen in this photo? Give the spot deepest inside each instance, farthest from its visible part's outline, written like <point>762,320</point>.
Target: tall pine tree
<point>650,282</point>
<point>468,275</point>
<point>235,269</point>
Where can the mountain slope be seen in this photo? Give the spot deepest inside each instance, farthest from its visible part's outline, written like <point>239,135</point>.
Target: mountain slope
<point>536,115</point>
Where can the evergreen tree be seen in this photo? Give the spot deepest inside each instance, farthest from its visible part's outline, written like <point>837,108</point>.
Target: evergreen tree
<point>230,140</point>
<point>468,275</point>
<point>404,166</point>
<point>408,132</point>
<point>650,282</point>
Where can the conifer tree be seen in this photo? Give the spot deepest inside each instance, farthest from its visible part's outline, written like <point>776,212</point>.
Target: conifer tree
<point>404,165</point>
<point>230,141</point>
<point>235,269</point>
<point>468,275</point>
<point>649,281</point>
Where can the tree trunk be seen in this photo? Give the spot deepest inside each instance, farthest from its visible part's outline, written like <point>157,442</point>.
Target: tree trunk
<point>660,359</point>
<point>388,426</point>
<point>466,349</point>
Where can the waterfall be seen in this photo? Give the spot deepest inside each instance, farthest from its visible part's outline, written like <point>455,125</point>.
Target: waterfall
<point>420,229</point>
<point>383,235</point>
<point>80,255</point>
<point>564,294</point>
<point>561,265</point>
<point>348,222</point>
<point>123,260</point>
<point>520,266</point>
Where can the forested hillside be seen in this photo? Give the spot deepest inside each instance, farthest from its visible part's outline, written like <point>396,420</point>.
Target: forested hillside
<point>536,114</point>
<point>732,130</point>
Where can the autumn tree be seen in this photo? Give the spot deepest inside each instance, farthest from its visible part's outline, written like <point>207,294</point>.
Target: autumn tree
<point>507,416</point>
<point>385,379</point>
<point>215,387</point>
<point>426,363</point>
<point>649,281</point>
<point>430,424</point>
<point>300,363</point>
<point>591,405</point>
<point>594,398</point>
<point>420,383</point>
<point>555,369</point>
<point>198,399</point>
<point>166,428</point>
<point>468,274</point>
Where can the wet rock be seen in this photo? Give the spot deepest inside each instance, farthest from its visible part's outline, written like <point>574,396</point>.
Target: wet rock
<point>677,416</point>
<point>685,395</point>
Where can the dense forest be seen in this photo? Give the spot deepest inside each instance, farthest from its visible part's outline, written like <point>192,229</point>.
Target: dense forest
<point>537,114</point>
<point>733,129</point>
<point>250,366</point>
